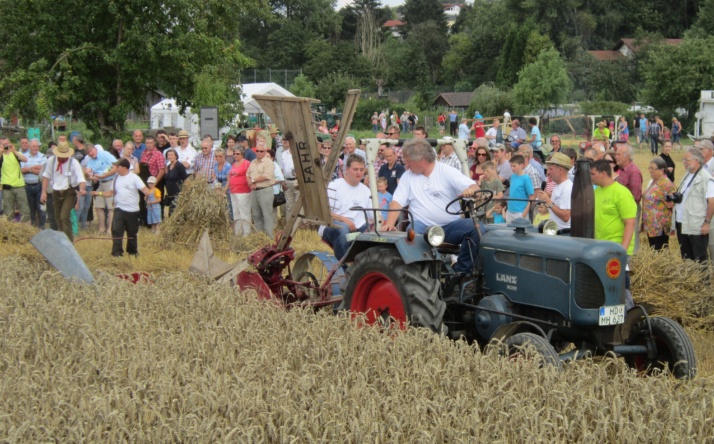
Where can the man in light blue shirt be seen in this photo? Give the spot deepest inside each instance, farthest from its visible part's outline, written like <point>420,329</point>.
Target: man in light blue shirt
<point>464,130</point>
<point>33,185</point>
<point>535,140</point>
<point>101,171</point>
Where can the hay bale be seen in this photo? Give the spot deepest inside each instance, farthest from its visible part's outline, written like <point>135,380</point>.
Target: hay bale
<point>198,208</point>
<point>677,288</point>
<point>16,233</point>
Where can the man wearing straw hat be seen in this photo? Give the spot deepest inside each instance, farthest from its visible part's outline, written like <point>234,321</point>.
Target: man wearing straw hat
<point>63,175</point>
<point>558,202</point>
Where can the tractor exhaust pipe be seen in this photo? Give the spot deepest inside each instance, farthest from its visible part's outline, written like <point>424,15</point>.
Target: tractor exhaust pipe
<point>582,202</point>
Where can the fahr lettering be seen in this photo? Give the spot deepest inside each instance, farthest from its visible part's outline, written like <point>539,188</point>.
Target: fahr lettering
<point>305,164</point>
<point>507,278</point>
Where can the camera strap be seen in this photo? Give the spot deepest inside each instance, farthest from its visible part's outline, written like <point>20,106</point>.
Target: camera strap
<point>691,180</point>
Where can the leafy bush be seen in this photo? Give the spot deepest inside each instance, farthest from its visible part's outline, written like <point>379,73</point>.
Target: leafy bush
<point>489,100</point>
<point>365,109</point>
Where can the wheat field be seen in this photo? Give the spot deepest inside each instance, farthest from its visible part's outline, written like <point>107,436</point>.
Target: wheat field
<point>186,360</point>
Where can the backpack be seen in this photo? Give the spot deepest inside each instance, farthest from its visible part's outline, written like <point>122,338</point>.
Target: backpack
<point>654,129</point>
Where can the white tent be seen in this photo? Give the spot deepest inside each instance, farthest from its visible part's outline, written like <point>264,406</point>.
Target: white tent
<point>167,114</point>
<point>267,89</point>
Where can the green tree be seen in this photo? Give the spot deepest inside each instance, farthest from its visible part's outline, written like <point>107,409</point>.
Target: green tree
<point>428,46</point>
<point>326,58</point>
<point>332,88</point>
<point>104,64</point>
<point>704,20</point>
<point>603,80</point>
<point>303,87</point>
<point>422,11</point>
<point>217,85</point>
<point>491,101</point>
<point>674,76</point>
<point>542,83</point>
<point>512,57</point>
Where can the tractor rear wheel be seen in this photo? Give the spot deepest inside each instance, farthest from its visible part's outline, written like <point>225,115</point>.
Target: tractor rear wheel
<point>383,287</point>
<point>674,348</point>
<point>532,346</point>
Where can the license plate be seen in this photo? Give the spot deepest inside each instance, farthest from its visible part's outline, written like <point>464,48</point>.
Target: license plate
<point>612,315</point>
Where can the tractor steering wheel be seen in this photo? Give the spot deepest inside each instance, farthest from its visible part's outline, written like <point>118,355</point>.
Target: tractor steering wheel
<point>488,195</point>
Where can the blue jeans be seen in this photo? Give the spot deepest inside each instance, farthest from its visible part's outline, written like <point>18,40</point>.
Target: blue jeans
<point>337,237</point>
<point>653,145</point>
<point>375,127</point>
<point>37,216</point>
<point>405,126</point>
<point>84,203</point>
<point>463,232</point>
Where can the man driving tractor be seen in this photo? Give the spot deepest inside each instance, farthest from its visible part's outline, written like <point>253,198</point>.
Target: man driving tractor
<point>427,188</point>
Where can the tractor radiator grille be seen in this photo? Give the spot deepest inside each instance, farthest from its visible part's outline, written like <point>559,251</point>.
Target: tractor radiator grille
<point>558,268</point>
<point>589,292</point>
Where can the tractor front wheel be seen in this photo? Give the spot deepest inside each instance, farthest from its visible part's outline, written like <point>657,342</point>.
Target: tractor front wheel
<point>384,288</point>
<point>532,346</point>
<point>674,348</point>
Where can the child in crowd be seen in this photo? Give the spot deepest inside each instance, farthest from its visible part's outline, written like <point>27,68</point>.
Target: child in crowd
<point>521,188</point>
<point>490,181</point>
<point>383,196</point>
<point>497,212</point>
<point>541,214</point>
<point>153,205</point>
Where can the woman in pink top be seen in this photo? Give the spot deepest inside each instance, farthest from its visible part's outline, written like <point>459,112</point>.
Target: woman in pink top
<point>240,192</point>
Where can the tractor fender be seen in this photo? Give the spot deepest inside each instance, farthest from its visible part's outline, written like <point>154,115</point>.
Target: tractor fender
<point>416,250</point>
<point>505,331</point>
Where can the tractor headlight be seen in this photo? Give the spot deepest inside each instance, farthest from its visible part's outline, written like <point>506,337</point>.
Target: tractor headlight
<point>434,236</point>
<point>548,227</point>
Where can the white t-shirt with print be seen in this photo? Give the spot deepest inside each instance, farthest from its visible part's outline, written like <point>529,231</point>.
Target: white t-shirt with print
<point>427,196</point>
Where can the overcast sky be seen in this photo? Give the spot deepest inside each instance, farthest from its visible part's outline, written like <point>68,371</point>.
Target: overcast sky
<point>341,3</point>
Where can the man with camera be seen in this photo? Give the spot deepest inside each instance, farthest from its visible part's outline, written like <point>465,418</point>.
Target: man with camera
<point>13,183</point>
<point>694,207</point>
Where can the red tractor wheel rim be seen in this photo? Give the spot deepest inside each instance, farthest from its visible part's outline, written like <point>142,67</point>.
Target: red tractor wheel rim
<point>377,297</point>
<point>641,362</point>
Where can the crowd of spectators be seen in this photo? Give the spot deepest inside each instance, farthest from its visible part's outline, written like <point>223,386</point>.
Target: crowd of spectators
<point>44,188</point>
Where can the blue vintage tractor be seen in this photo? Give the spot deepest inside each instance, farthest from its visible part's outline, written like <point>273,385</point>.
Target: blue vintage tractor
<point>563,295</point>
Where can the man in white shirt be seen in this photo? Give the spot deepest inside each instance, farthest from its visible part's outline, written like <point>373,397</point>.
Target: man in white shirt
<point>427,187</point>
<point>186,153</point>
<point>125,189</point>
<point>344,194</point>
<point>492,133</point>
<point>292,194</point>
<point>350,148</point>
<point>559,202</point>
<point>63,175</point>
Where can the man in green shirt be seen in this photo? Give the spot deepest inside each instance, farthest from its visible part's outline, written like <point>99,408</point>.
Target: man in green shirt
<point>615,214</point>
<point>615,208</point>
<point>13,183</point>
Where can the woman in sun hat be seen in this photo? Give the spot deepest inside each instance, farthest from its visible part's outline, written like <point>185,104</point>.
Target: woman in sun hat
<point>63,175</point>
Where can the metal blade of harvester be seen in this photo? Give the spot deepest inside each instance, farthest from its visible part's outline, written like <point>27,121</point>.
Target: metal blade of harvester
<point>61,254</point>
<point>204,262</point>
